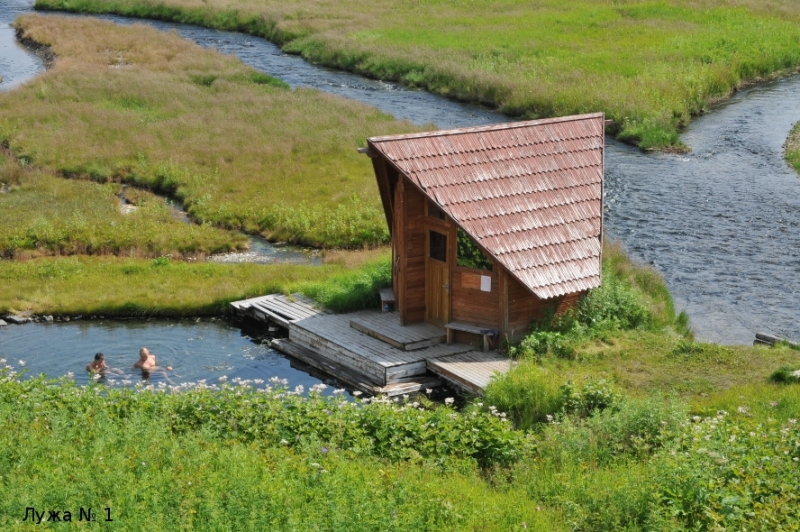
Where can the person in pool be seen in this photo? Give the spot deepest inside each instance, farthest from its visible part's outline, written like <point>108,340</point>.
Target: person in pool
<point>98,365</point>
<point>147,361</point>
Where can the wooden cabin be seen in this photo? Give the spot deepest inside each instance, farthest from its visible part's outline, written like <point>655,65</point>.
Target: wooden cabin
<point>492,227</point>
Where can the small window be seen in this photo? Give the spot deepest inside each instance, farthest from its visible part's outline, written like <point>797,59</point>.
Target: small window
<point>438,246</point>
<point>434,211</point>
<point>470,255</point>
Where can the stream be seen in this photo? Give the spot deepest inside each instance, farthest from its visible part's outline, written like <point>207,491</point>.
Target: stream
<point>720,223</point>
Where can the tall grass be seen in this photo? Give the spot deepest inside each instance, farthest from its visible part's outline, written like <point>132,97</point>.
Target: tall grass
<point>47,215</point>
<point>134,287</point>
<point>650,65</point>
<point>792,148</point>
<point>242,151</point>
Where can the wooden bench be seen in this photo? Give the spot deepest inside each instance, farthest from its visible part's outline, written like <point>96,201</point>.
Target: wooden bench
<point>387,298</point>
<point>465,327</point>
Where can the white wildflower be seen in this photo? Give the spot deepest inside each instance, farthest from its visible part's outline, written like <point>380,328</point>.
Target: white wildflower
<point>21,363</point>
<point>338,391</point>
<point>449,401</point>
<point>793,421</point>
<point>224,378</point>
<point>284,442</point>
<point>356,393</point>
<point>742,409</point>
<point>299,389</point>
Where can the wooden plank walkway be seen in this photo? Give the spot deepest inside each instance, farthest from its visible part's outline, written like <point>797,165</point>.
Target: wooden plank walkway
<point>352,378</point>
<point>278,308</point>
<point>472,370</point>
<point>331,336</point>
<point>385,326</point>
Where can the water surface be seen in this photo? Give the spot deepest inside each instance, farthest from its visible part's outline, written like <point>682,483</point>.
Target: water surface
<point>197,349</point>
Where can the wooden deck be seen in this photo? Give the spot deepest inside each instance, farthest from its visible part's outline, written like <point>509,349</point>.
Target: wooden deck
<point>331,336</point>
<point>385,326</point>
<point>352,378</point>
<point>277,308</point>
<point>472,370</point>
<point>370,350</point>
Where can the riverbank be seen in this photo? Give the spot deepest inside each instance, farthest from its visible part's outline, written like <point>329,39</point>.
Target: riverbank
<point>792,148</point>
<point>113,286</point>
<point>238,148</point>
<point>650,66</point>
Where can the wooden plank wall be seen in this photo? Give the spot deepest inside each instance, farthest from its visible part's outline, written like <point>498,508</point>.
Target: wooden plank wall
<point>469,304</point>
<point>414,275</point>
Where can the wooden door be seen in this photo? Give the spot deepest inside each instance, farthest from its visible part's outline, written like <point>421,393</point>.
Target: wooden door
<point>437,279</point>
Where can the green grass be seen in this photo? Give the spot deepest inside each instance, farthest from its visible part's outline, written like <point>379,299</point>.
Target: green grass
<point>236,146</point>
<point>649,65</point>
<point>47,215</point>
<point>115,286</point>
<point>792,148</point>
<point>236,458</point>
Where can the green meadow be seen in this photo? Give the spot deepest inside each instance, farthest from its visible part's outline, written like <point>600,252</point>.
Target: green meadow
<point>649,65</point>
<point>614,418</point>
<point>237,147</point>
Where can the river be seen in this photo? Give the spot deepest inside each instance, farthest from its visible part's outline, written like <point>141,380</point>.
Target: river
<point>719,223</point>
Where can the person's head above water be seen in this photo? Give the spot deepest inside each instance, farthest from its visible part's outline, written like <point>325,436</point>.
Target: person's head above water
<point>144,353</point>
<point>99,356</point>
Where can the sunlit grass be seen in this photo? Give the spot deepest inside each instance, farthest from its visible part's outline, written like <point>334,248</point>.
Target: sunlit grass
<point>46,215</point>
<point>240,149</point>
<point>133,287</point>
<point>649,65</point>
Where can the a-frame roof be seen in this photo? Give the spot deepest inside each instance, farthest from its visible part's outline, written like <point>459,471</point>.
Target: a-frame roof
<point>529,193</point>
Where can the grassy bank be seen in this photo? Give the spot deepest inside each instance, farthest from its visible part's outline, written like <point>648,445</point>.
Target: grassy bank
<point>114,286</point>
<point>626,336</point>
<point>792,148</point>
<point>650,65</point>
<point>252,460</point>
<point>236,146</point>
<point>42,214</point>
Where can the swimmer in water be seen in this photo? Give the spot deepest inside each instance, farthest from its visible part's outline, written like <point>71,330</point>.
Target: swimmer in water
<point>98,365</point>
<point>147,361</point>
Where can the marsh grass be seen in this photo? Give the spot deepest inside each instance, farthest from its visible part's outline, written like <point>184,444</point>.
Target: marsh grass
<point>115,286</point>
<point>238,148</point>
<point>650,66</point>
<point>42,214</point>
<point>792,148</point>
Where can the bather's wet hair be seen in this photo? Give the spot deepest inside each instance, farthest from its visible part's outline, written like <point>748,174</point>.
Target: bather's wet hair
<point>99,356</point>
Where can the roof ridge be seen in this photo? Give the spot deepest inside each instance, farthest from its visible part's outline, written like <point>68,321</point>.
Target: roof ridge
<point>492,127</point>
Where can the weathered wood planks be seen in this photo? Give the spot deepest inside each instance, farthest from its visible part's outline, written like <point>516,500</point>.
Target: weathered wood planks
<point>386,327</point>
<point>350,377</point>
<point>472,370</point>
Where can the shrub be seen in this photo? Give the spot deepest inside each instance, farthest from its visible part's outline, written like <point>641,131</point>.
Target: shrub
<point>731,474</point>
<point>528,394</point>
<point>592,397</point>
<point>785,375</point>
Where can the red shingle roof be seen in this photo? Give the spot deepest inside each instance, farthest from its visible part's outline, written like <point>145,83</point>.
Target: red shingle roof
<point>530,193</point>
